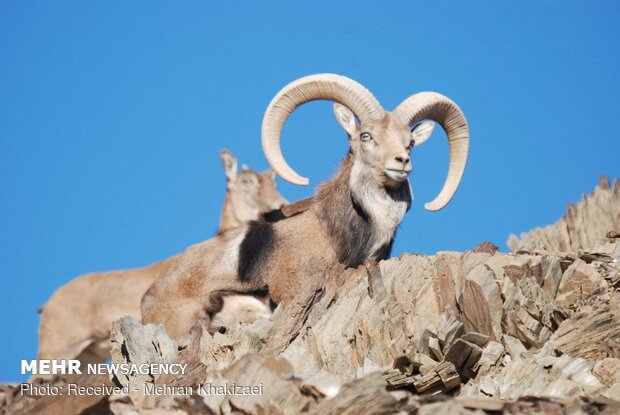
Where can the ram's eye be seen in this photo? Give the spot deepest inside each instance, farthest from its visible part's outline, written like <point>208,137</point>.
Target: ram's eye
<point>411,145</point>
<point>366,137</point>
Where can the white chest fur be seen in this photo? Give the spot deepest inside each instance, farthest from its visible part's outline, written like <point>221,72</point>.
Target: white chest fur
<point>385,211</point>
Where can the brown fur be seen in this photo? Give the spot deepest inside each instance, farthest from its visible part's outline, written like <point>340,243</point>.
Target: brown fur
<point>352,219</point>
<point>80,313</point>
<point>248,193</point>
<point>75,322</point>
<point>183,294</point>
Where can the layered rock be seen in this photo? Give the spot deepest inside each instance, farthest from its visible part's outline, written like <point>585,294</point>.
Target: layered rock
<point>585,224</point>
<point>480,331</point>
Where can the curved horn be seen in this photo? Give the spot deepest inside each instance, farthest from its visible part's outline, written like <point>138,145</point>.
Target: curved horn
<point>436,107</point>
<point>322,86</point>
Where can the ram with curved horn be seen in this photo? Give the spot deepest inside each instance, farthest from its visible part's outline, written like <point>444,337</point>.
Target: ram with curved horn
<point>351,219</point>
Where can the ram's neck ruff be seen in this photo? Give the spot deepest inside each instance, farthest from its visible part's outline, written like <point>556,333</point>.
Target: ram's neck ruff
<point>385,207</point>
<point>360,215</point>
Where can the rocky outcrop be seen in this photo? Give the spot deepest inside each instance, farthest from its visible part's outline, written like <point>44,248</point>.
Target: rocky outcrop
<point>474,332</point>
<point>484,331</point>
<point>585,224</point>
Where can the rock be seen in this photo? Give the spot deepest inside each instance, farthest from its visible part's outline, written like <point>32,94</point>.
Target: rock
<point>585,225</point>
<point>578,370</point>
<point>449,330</point>
<point>486,247</point>
<point>476,314</point>
<point>607,371</point>
<point>477,332</point>
<point>588,334</point>
<point>613,392</point>
<point>18,403</point>
<point>483,316</point>
<point>135,343</point>
<point>464,355</point>
<point>578,282</point>
<point>527,313</point>
<point>363,396</point>
<point>490,355</point>
<point>278,394</point>
<point>514,347</point>
<point>442,378</point>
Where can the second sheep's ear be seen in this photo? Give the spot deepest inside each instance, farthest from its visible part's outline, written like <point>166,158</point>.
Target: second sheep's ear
<point>230,164</point>
<point>271,173</point>
<point>345,118</point>
<point>422,132</point>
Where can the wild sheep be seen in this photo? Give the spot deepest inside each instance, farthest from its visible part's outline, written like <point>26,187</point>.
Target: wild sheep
<point>352,218</point>
<point>76,321</point>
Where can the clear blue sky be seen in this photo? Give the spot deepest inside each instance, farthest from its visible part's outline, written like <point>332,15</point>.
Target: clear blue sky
<point>112,115</point>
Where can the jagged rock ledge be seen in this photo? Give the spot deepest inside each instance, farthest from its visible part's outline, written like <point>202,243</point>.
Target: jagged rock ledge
<point>473,332</point>
<point>584,225</point>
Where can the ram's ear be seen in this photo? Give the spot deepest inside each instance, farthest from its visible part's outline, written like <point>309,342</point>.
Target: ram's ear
<point>345,118</point>
<point>270,173</point>
<point>422,132</point>
<point>230,164</point>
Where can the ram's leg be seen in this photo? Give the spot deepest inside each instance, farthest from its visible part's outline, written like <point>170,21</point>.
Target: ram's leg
<point>97,352</point>
<point>61,334</point>
<point>186,313</point>
<point>179,303</point>
<point>235,307</point>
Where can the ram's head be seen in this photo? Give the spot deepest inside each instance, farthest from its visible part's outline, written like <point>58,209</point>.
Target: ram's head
<point>381,141</point>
